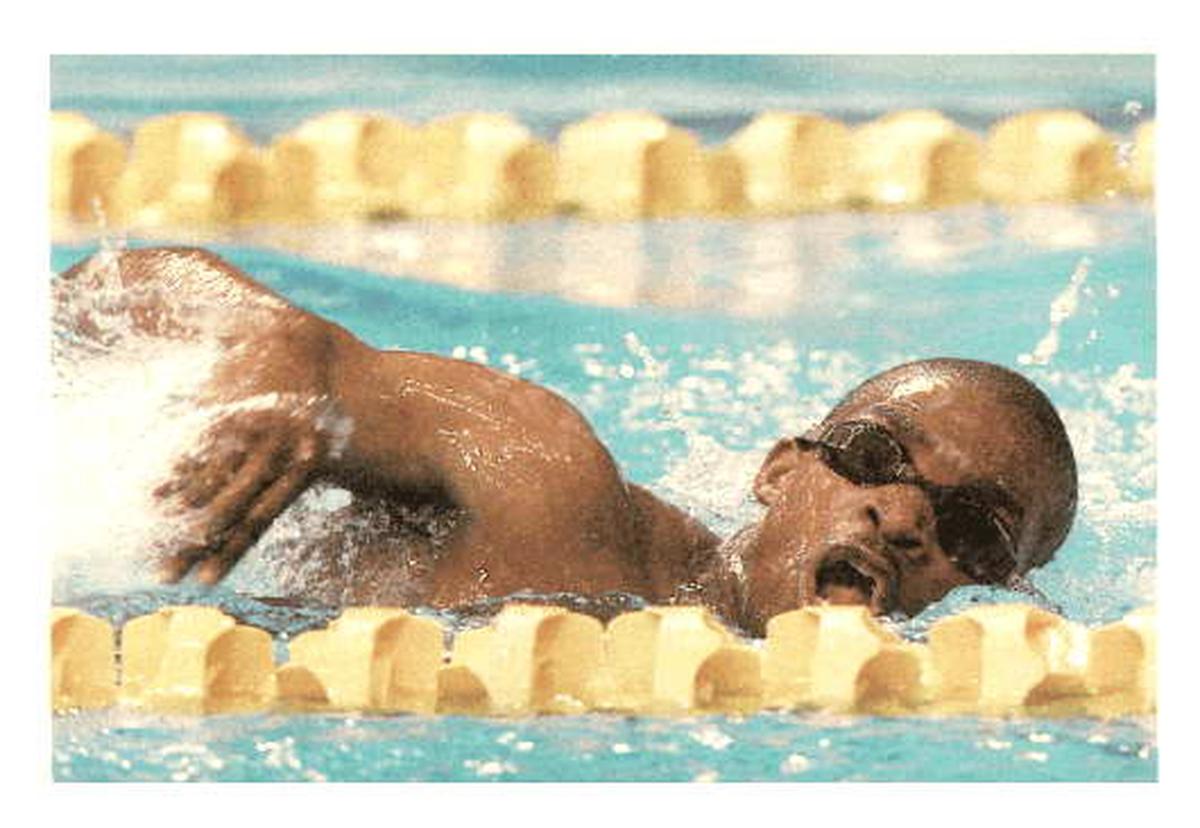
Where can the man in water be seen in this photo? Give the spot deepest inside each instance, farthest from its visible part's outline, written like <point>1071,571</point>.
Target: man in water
<point>469,484</point>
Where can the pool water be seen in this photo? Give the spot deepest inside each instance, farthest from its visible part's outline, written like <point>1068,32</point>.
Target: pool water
<point>767,747</point>
<point>715,339</point>
<point>691,345</point>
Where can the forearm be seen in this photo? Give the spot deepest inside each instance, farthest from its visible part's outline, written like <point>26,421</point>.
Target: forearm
<point>289,357</point>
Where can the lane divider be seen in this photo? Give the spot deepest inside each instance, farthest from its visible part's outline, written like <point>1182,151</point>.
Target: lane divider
<point>998,660</point>
<point>196,168</point>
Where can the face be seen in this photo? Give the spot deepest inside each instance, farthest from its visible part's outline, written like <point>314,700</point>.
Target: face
<point>977,474</point>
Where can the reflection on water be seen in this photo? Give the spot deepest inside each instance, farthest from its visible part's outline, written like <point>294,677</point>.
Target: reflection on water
<point>601,264</point>
<point>935,240</point>
<point>1047,228</point>
<point>756,269</point>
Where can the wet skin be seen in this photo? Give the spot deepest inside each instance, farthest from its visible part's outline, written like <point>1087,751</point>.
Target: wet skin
<point>526,496</point>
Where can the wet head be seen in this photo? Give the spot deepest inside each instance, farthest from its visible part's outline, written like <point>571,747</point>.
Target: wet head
<point>931,475</point>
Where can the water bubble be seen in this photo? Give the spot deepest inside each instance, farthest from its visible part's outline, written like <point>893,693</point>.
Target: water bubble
<point>1125,151</point>
<point>490,767</point>
<point>712,736</point>
<point>795,763</point>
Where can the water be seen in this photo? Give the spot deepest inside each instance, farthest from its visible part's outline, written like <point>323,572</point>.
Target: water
<point>691,345</point>
<point>710,94</point>
<point>688,399</point>
<point>767,747</point>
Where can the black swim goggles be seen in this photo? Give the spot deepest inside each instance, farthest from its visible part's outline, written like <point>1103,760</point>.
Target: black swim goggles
<point>970,531</point>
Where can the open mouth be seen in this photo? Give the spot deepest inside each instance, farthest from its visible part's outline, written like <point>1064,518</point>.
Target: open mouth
<point>847,576</point>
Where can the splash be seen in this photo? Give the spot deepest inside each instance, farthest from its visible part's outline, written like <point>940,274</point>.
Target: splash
<point>1064,306</point>
<point>121,417</point>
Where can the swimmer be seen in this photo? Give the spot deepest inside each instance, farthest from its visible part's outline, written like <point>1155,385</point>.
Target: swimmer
<point>469,484</point>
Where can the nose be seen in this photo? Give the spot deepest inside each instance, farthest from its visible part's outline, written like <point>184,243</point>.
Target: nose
<point>902,517</point>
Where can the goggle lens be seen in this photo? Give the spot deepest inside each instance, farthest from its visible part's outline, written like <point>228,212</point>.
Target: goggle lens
<point>975,540</point>
<point>864,454</point>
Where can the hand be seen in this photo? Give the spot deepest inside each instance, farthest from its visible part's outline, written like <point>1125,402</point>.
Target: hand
<point>250,465</point>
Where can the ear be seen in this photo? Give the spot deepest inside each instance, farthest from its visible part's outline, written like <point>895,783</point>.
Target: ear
<point>782,461</point>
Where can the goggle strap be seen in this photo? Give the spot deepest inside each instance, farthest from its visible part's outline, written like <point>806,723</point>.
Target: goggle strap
<point>1020,584</point>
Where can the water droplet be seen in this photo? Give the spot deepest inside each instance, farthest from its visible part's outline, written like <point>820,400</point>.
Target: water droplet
<point>712,737</point>
<point>796,763</point>
<point>1125,150</point>
<point>489,768</point>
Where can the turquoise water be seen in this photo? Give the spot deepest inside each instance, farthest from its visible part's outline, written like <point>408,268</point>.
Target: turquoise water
<point>688,399</point>
<point>691,345</point>
<point>779,747</point>
<point>711,94</point>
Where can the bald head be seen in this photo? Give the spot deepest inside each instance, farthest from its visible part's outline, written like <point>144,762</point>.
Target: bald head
<point>977,419</point>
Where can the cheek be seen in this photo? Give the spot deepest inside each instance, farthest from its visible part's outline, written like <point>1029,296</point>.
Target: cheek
<point>796,523</point>
<point>791,532</point>
<point>931,584</point>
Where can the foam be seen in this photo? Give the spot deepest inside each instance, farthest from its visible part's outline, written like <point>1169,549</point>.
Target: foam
<point>122,418</point>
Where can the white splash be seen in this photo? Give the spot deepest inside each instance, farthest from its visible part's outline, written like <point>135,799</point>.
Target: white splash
<point>122,417</point>
<point>1062,308</point>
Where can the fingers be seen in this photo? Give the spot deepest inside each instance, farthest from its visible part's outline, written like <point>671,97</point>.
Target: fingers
<point>233,519</point>
<point>172,568</point>
<point>223,510</point>
<point>196,480</point>
<point>273,500</point>
<point>235,497</point>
